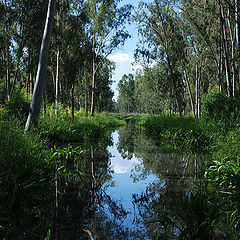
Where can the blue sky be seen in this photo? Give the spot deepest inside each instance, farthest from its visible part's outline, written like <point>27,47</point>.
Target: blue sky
<point>123,57</point>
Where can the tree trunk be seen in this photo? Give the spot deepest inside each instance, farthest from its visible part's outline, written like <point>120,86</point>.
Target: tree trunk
<point>29,72</point>
<point>197,85</point>
<point>8,72</point>
<point>93,78</point>
<point>57,81</point>
<point>42,67</point>
<point>86,96</point>
<point>232,37</point>
<point>220,67</point>
<point>237,18</point>
<point>73,85</point>
<point>225,49</point>
<point>190,93</point>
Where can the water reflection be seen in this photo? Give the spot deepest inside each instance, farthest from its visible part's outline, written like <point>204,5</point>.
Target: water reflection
<point>110,190</point>
<point>147,176</point>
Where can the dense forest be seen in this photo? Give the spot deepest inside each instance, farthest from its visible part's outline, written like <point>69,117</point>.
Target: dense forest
<point>187,48</point>
<point>179,112</point>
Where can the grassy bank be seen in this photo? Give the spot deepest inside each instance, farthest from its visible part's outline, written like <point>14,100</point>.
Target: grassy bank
<point>182,133</point>
<point>62,129</point>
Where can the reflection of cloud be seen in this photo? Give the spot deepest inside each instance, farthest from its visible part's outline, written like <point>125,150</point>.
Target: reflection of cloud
<point>120,165</point>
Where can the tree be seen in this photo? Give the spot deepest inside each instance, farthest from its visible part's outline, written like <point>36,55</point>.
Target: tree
<point>161,33</point>
<point>106,31</point>
<point>42,67</point>
<point>126,99</point>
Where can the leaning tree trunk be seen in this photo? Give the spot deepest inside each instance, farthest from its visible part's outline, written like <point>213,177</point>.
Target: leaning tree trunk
<point>42,67</point>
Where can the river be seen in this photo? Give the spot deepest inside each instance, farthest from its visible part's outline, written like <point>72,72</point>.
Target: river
<point>143,179</point>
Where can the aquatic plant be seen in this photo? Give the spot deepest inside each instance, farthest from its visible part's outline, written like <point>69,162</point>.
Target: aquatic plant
<point>191,216</point>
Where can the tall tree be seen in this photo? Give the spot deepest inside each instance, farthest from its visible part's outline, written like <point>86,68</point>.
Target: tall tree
<point>159,28</point>
<point>107,32</point>
<point>42,67</point>
<point>126,99</point>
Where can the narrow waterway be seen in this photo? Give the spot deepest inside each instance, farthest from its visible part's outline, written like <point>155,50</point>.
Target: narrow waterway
<point>144,179</point>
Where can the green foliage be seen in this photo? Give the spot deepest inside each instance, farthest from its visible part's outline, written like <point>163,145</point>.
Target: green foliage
<point>24,179</point>
<point>223,175</point>
<point>181,132</point>
<point>223,110</point>
<point>126,99</point>
<point>192,217</point>
<point>17,106</point>
<point>62,129</point>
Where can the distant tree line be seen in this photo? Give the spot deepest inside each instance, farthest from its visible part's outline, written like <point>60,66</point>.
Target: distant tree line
<point>188,48</point>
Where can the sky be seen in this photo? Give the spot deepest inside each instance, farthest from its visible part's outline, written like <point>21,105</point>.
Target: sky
<point>124,56</point>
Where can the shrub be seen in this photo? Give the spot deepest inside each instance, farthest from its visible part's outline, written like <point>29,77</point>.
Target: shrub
<point>181,132</point>
<point>17,106</point>
<point>24,178</point>
<point>224,110</point>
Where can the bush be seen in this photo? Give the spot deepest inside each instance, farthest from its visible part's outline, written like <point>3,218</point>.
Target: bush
<point>223,175</point>
<point>223,110</point>
<point>17,106</point>
<point>61,128</point>
<point>181,132</point>
<point>24,179</point>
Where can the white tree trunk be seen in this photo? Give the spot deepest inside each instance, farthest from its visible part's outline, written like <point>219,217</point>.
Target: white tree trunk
<point>42,67</point>
<point>57,81</point>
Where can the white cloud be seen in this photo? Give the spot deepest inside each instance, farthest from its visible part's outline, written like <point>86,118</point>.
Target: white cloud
<point>120,58</point>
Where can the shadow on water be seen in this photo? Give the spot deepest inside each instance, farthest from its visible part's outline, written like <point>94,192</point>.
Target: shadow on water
<point>114,188</point>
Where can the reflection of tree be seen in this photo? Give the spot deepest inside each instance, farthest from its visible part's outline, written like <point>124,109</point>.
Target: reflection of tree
<point>126,144</point>
<point>84,208</point>
<point>178,175</point>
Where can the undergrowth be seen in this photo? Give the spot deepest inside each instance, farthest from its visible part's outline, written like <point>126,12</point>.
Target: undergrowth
<point>62,128</point>
<point>182,133</point>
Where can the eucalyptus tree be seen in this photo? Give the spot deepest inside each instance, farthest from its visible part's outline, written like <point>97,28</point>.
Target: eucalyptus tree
<point>215,25</point>
<point>160,33</point>
<point>42,66</point>
<point>71,49</point>
<point>126,99</point>
<point>104,93</point>
<point>7,28</point>
<point>152,90</point>
<point>106,31</point>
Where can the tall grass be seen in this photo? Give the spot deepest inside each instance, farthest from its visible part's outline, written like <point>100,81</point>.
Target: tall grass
<point>184,133</point>
<point>62,128</point>
<point>223,175</point>
<point>24,178</point>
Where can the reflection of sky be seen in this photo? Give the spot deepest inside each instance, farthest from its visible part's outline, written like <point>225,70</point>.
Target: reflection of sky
<point>118,164</point>
<point>125,187</point>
